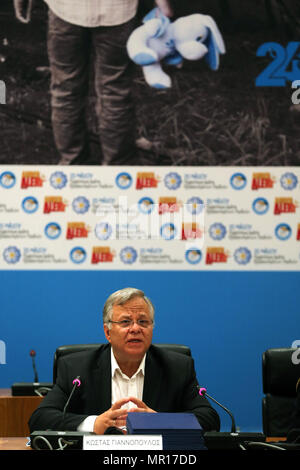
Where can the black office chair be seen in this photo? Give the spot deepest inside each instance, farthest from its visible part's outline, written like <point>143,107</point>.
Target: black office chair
<point>72,348</point>
<point>280,376</point>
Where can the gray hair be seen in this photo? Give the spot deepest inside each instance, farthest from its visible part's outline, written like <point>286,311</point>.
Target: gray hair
<point>122,296</point>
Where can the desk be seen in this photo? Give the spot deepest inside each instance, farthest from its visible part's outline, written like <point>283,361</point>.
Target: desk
<point>19,443</point>
<point>15,413</point>
<point>14,443</point>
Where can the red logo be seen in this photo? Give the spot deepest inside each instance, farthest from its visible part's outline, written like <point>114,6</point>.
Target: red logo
<point>146,180</point>
<point>54,204</point>
<point>168,204</point>
<point>262,180</point>
<point>102,254</point>
<point>191,231</point>
<point>77,230</point>
<point>284,205</point>
<point>216,255</point>
<point>31,179</point>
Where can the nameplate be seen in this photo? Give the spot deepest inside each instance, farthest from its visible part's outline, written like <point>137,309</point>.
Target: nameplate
<point>126,442</point>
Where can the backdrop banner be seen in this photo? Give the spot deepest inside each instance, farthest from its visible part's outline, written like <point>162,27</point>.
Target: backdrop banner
<point>157,218</point>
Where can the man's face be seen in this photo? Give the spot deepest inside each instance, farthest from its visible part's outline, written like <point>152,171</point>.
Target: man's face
<point>130,343</point>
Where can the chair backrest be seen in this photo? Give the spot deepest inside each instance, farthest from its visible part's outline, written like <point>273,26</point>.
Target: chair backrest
<point>280,375</point>
<point>72,348</point>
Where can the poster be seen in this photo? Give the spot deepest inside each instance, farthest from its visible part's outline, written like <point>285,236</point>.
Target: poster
<point>224,143</point>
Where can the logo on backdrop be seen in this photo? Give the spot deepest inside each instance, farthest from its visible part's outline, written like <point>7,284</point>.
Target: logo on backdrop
<point>11,255</point>
<point>260,206</point>
<point>32,179</point>
<point>30,204</point>
<point>102,254</point>
<point>242,255</point>
<point>52,230</point>
<point>172,180</point>
<point>217,231</point>
<point>124,180</point>
<point>284,64</point>
<point>103,230</point>
<point>58,180</point>
<point>54,204</point>
<point>283,232</point>
<point>238,181</point>
<point>285,205</point>
<point>80,205</point>
<point>128,255</point>
<point>146,180</point>
<point>78,255</point>
<point>216,254</point>
<point>193,255</point>
<point>7,179</point>
<point>262,180</point>
<point>289,181</point>
<point>146,205</point>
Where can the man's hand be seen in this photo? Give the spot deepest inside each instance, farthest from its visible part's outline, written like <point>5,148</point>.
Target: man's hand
<point>165,7</point>
<point>112,417</point>
<point>20,7</point>
<point>141,406</point>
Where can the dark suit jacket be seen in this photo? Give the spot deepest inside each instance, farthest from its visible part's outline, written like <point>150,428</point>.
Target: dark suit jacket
<point>170,386</point>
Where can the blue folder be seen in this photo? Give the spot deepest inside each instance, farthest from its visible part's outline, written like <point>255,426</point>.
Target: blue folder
<point>180,431</point>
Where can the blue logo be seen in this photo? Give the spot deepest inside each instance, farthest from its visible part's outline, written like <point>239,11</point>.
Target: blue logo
<point>260,206</point>
<point>30,204</point>
<point>11,255</point>
<point>172,180</point>
<point>168,231</point>
<point>284,65</point>
<point>146,205</point>
<point>80,205</point>
<point>52,230</point>
<point>289,181</point>
<point>103,230</point>
<point>238,181</point>
<point>217,231</point>
<point>242,255</point>
<point>78,255</point>
<point>128,255</point>
<point>195,205</point>
<point>283,232</point>
<point>7,179</point>
<point>193,255</point>
<point>58,180</point>
<point>124,180</point>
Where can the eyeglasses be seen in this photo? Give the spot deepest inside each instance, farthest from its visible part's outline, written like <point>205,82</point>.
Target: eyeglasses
<point>129,323</point>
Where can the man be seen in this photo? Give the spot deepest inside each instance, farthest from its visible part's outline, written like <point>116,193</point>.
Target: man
<point>80,31</point>
<point>128,374</point>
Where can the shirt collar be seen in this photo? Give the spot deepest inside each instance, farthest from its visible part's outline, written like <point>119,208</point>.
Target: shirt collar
<point>115,366</point>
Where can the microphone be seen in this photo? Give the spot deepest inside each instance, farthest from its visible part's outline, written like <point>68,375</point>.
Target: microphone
<point>203,392</point>
<point>216,440</point>
<point>76,383</point>
<point>33,354</point>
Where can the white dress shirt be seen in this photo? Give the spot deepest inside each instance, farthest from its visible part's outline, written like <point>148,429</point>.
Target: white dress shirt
<point>93,13</point>
<point>121,387</point>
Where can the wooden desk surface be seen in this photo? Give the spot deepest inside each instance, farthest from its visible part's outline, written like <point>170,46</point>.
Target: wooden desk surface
<point>14,443</point>
<point>15,413</point>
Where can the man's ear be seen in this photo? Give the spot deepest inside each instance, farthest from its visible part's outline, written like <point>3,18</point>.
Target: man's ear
<point>106,332</point>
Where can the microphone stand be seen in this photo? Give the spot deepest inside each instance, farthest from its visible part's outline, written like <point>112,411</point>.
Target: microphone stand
<point>229,440</point>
